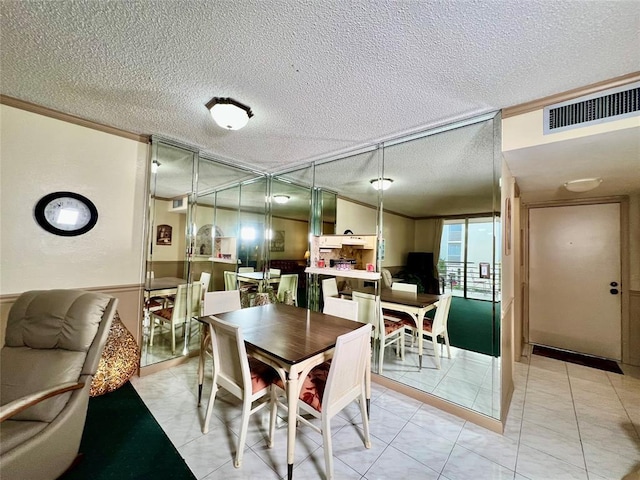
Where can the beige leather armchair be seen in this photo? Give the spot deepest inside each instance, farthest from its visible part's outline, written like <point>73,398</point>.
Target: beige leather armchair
<point>53,344</point>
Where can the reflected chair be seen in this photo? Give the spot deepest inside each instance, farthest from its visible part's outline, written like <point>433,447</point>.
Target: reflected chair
<point>436,327</point>
<point>385,332</point>
<point>230,281</point>
<point>288,283</point>
<point>404,287</point>
<point>333,385</point>
<point>214,303</point>
<point>395,315</point>
<point>205,280</point>
<point>54,341</point>
<point>341,307</point>
<point>183,310</point>
<point>387,279</point>
<point>244,377</point>
<point>274,272</point>
<point>329,288</point>
<point>246,269</point>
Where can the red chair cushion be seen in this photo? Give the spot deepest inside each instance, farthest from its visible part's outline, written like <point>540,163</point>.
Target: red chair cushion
<point>164,313</point>
<point>390,326</point>
<point>262,375</point>
<point>426,324</point>
<point>313,387</point>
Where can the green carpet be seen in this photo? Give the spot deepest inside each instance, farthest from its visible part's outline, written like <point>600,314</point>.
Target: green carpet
<point>471,326</point>
<point>122,440</point>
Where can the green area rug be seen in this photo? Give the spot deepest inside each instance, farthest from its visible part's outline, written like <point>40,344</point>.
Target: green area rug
<point>122,440</point>
<point>471,326</point>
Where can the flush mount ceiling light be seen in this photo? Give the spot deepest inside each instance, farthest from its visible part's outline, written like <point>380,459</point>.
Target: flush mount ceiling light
<point>229,113</point>
<point>281,198</point>
<point>381,184</point>
<point>583,184</point>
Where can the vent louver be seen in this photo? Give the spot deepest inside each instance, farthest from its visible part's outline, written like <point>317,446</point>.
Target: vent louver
<point>605,106</point>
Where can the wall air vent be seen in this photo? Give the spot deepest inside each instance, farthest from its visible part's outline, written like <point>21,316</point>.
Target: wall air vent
<point>600,107</point>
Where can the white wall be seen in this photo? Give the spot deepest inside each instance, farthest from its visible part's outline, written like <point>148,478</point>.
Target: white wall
<point>634,242</point>
<point>398,234</point>
<point>40,155</point>
<point>359,219</point>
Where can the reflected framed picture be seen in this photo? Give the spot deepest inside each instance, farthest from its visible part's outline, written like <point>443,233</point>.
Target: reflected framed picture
<point>163,236</point>
<point>277,241</point>
<point>485,271</point>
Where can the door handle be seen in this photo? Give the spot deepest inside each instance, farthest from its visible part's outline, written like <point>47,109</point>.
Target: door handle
<point>613,291</point>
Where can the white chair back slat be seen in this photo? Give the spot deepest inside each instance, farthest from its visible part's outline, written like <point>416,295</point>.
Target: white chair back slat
<point>329,288</point>
<point>221,302</point>
<point>404,287</point>
<point>340,307</point>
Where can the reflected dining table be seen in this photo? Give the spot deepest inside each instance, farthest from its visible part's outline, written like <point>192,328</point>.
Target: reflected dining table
<point>415,304</point>
<point>259,278</point>
<point>292,340</point>
<point>162,286</point>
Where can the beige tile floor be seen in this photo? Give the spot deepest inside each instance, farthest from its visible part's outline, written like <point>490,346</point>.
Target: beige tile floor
<point>565,422</point>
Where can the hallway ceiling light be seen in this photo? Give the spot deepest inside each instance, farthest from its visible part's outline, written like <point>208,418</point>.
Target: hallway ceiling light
<point>281,198</point>
<point>381,184</point>
<point>229,113</point>
<point>582,185</point>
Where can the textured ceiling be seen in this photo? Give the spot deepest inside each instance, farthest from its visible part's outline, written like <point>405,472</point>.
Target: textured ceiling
<point>322,77</point>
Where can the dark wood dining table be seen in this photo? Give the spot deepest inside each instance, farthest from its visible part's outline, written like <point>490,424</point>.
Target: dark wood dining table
<point>414,304</point>
<point>292,340</point>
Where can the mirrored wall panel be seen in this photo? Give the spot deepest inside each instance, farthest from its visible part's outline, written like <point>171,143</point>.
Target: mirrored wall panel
<point>436,211</point>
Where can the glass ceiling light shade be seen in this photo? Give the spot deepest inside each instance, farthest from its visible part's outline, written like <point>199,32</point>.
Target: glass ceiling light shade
<point>281,198</point>
<point>381,183</point>
<point>583,184</point>
<point>229,113</point>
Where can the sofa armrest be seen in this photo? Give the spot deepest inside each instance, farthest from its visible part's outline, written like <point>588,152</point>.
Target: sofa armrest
<point>21,404</point>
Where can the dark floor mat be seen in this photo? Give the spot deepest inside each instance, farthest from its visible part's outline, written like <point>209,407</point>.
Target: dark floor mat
<point>586,360</point>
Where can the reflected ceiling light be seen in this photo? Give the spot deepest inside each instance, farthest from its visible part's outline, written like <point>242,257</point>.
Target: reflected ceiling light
<point>381,184</point>
<point>281,198</point>
<point>583,184</point>
<point>229,113</point>
<point>154,166</point>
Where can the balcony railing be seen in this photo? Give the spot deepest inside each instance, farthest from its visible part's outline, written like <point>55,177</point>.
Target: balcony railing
<point>452,279</point>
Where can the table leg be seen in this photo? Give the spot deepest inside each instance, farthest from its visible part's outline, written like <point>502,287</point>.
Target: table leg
<point>419,322</point>
<point>367,382</point>
<point>293,392</point>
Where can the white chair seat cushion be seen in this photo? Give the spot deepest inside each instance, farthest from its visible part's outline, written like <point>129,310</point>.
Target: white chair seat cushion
<point>26,371</point>
<point>14,433</point>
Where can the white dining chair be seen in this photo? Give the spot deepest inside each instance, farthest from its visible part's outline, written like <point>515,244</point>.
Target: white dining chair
<point>341,307</point>
<point>288,283</point>
<point>329,288</point>
<point>182,311</point>
<point>274,272</point>
<point>205,280</point>
<point>246,378</point>
<point>404,287</point>
<point>437,327</point>
<point>385,332</point>
<point>230,280</point>
<point>214,303</point>
<point>332,386</point>
<point>246,269</point>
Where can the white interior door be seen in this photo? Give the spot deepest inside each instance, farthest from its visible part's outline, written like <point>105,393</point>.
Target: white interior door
<point>574,256</point>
